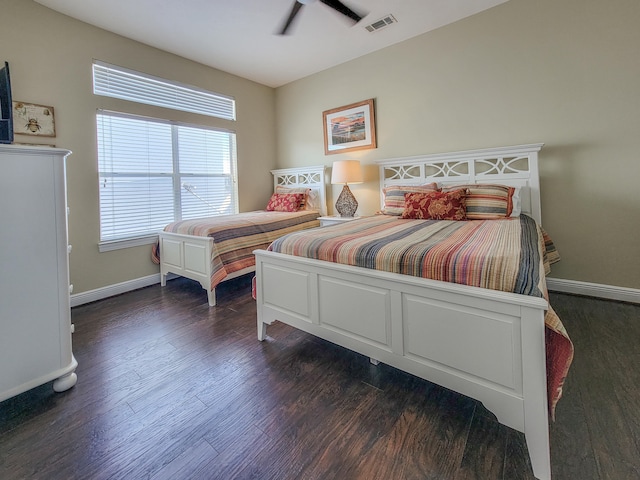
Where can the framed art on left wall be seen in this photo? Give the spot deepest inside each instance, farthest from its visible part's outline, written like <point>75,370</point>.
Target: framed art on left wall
<point>348,128</point>
<point>31,119</point>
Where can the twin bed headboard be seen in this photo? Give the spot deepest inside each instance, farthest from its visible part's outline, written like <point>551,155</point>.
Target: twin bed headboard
<point>309,177</point>
<point>515,166</point>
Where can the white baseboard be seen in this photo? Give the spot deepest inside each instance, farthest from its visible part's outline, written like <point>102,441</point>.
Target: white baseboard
<point>111,290</point>
<point>610,292</point>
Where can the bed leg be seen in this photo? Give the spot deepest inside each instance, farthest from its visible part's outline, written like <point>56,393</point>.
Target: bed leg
<point>163,279</point>
<point>262,330</point>
<point>211,297</point>
<point>539,455</point>
<point>536,414</point>
<point>374,361</point>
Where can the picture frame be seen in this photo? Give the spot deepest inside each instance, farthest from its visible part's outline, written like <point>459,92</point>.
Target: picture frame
<point>33,119</point>
<point>349,128</point>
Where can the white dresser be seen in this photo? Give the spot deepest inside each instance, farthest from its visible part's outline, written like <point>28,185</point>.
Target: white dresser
<point>35,314</point>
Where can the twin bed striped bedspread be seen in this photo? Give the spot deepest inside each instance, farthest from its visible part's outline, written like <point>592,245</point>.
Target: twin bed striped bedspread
<point>510,255</point>
<point>235,237</point>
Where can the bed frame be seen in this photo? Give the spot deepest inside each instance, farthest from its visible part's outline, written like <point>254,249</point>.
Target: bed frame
<point>189,256</point>
<point>485,344</point>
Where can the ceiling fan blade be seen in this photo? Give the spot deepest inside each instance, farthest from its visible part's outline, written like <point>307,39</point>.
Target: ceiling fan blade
<point>343,9</point>
<point>294,11</point>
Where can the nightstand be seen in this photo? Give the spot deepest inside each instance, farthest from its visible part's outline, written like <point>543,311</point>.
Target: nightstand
<point>334,220</point>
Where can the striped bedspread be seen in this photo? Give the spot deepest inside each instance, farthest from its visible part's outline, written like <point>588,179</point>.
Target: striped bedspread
<point>237,236</point>
<point>510,255</point>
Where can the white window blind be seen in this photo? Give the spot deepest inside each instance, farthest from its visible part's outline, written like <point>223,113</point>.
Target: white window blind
<point>118,82</point>
<point>153,172</point>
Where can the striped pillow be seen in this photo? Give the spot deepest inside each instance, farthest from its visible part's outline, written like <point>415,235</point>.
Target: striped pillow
<point>487,202</point>
<point>394,196</point>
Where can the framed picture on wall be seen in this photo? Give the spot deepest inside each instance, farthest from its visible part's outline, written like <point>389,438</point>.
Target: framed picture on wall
<point>31,119</point>
<point>348,128</point>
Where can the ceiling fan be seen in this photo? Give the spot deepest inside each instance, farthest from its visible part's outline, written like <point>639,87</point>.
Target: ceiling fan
<point>335,4</point>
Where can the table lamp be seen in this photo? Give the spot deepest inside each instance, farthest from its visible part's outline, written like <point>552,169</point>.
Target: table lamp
<point>345,172</point>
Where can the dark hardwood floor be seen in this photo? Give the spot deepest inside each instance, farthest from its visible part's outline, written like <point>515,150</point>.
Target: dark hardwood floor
<point>169,388</point>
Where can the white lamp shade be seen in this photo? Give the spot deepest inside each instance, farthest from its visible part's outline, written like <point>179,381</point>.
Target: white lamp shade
<point>346,171</point>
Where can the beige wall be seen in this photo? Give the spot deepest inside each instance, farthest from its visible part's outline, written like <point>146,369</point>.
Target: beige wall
<point>566,73</point>
<point>50,57</point>
<point>560,72</point>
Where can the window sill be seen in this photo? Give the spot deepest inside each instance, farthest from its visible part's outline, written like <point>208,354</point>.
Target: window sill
<point>111,245</point>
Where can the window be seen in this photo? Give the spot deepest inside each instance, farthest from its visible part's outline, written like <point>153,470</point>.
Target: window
<point>118,82</point>
<point>153,172</point>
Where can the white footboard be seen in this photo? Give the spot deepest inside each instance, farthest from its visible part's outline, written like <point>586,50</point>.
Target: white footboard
<point>485,344</point>
<point>188,256</point>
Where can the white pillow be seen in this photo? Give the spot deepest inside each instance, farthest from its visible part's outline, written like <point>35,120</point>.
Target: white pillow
<point>517,203</point>
<point>313,200</point>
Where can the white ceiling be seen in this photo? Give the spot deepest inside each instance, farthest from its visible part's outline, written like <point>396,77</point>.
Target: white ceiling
<point>238,36</point>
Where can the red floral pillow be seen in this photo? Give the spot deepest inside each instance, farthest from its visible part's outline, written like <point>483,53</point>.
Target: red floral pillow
<point>307,198</point>
<point>436,205</point>
<point>285,202</point>
<point>394,196</point>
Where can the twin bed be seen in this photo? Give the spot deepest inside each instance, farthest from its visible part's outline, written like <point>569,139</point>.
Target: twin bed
<point>216,249</point>
<point>479,324</point>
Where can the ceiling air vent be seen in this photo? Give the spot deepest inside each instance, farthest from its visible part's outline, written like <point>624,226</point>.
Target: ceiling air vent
<point>382,23</point>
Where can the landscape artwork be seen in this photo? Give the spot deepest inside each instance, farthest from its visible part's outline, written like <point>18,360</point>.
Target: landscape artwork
<point>349,128</point>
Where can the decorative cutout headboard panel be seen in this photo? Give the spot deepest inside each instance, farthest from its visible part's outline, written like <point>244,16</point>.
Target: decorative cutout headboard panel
<point>310,177</point>
<point>515,166</point>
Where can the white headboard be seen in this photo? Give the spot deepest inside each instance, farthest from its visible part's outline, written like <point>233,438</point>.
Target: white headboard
<point>310,177</point>
<point>515,166</point>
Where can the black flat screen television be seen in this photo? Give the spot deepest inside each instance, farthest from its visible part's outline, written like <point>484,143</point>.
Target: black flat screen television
<point>6,108</point>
